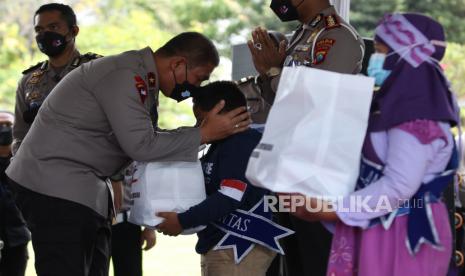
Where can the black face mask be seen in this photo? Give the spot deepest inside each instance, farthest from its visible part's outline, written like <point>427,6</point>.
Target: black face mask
<point>182,91</point>
<point>6,135</point>
<point>50,43</point>
<point>285,10</point>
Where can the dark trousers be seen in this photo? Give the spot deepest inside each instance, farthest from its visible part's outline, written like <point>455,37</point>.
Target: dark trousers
<point>126,252</point>
<point>307,251</point>
<point>68,238</point>
<point>275,268</point>
<point>14,261</point>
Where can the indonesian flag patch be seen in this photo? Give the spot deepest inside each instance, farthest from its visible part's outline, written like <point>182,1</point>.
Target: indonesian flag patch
<point>233,188</point>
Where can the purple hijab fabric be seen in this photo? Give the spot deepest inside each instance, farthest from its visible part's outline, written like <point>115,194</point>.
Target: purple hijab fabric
<point>417,87</point>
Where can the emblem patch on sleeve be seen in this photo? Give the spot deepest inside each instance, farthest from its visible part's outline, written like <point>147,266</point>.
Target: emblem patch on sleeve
<point>322,48</point>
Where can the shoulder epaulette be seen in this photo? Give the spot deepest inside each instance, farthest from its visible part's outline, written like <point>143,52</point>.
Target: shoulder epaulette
<point>91,56</point>
<point>34,67</point>
<point>84,58</point>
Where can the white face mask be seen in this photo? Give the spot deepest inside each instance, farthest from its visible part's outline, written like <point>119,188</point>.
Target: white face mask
<point>375,68</point>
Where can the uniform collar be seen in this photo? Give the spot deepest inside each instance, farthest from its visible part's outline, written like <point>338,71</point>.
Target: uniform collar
<point>147,58</point>
<point>74,61</point>
<point>149,62</point>
<point>317,19</point>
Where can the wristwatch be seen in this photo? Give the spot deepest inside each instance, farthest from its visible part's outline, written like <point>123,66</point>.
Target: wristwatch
<point>273,72</point>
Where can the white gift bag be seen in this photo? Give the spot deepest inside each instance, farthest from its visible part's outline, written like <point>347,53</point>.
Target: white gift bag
<point>165,187</point>
<point>314,134</point>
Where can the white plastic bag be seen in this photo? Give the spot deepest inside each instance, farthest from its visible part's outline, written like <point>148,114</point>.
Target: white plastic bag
<point>314,134</point>
<point>165,187</point>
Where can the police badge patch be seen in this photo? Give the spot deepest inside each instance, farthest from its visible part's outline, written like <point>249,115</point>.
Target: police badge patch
<point>322,48</point>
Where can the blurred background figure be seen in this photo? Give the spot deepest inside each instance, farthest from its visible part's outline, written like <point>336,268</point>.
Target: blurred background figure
<point>13,231</point>
<point>56,29</point>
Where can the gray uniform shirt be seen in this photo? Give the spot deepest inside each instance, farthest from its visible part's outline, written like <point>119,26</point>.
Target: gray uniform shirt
<point>326,42</point>
<point>35,85</point>
<point>91,125</point>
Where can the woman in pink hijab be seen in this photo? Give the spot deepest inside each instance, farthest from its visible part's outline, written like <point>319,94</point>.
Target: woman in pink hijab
<point>409,157</point>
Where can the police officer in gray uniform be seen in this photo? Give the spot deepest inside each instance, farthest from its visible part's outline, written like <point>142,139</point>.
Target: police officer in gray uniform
<point>93,123</point>
<point>257,103</point>
<point>323,41</point>
<point>56,29</point>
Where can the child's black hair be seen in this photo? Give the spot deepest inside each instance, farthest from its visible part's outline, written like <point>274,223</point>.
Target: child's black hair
<point>208,96</point>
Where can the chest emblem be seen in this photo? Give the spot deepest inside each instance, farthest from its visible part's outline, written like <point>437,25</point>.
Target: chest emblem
<point>141,87</point>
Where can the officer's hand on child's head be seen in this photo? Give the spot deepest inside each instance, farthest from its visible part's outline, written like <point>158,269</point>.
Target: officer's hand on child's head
<point>170,225</point>
<point>217,125</point>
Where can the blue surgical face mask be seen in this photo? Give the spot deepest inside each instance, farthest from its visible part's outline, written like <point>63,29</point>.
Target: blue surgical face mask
<point>375,68</point>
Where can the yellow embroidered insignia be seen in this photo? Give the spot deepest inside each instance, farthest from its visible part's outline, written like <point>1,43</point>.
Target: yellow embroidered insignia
<point>331,22</point>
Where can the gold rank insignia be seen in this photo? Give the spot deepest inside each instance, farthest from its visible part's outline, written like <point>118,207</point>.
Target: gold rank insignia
<point>331,22</point>
<point>36,76</point>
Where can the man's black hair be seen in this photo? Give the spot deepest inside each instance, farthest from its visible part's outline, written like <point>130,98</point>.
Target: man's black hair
<point>66,11</point>
<point>195,47</point>
<point>208,96</point>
